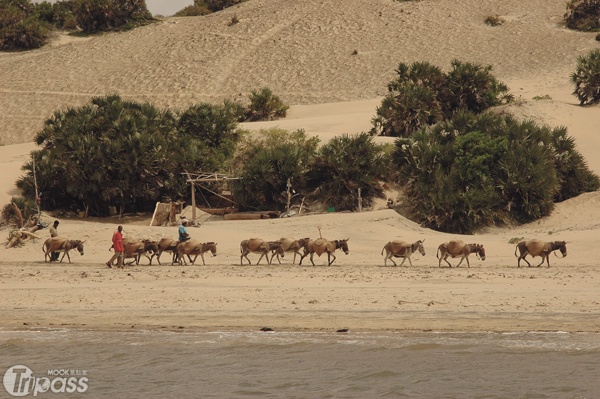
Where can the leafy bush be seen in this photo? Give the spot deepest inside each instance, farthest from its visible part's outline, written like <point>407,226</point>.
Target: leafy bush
<point>264,105</point>
<point>573,173</point>
<point>24,25</point>
<point>406,110</point>
<point>24,35</point>
<point>59,14</point>
<point>218,5</point>
<point>204,7</point>
<point>104,15</point>
<point>216,127</point>
<point>344,165</point>
<point>195,10</point>
<point>472,87</point>
<point>423,95</point>
<point>587,78</point>
<point>19,28</point>
<point>266,161</point>
<point>117,153</point>
<point>477,170</point>
<point>583,15</point>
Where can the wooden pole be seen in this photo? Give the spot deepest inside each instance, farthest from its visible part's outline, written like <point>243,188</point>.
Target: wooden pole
<point>359,201</point>
<point>37,196</point>
<point>193,201</point>
<point>289,196</point>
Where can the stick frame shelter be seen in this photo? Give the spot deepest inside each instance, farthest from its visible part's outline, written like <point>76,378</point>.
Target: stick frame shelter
<point>200,179</point>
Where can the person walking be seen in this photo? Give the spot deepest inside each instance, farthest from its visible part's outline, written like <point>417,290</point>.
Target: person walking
<point>117,240</point>
<point>54,233</point>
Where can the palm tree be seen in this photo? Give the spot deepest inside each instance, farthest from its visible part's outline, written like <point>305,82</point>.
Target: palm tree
<point>345,165</point>
<point>587,78</point>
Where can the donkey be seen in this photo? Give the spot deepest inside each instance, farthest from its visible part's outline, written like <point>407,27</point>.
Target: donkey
<point>291,245</point>
<point>402,249</point>
<point>166,245</point>
<point>456,248</point>
<point>136,248</point>
<point>58,244</point>
<point>322,245</point>
<point>539,248</point>
<point>192,247</point>
<point>259,246</point>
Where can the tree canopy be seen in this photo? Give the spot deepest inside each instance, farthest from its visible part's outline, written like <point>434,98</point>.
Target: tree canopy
<point>113,152</point>
<point>477,170</point>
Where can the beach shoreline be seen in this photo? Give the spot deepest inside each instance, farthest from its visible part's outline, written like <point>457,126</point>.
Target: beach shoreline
<point>483,298</point>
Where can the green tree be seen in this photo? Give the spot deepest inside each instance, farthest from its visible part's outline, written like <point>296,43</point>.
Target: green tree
<point>587,78</point>
<point>112,153</point>
<point>264,106</point>
<point>197,9</point>
<point>583,15</point>
<point>19,27</point>
<point>27,208</point>
<point>218,5</point>
<point>204,7</point>
<point>476,170</point>
<point>266,161</point>
<point>406,110</point>
<point>472,87</point>
<point>423,95</point>
<point>343,166</point>
<point>573,174</point>
<point>103,15</point>
<point>216,127</point>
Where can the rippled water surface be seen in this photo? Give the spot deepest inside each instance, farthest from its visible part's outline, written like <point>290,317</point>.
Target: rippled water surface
<point>160,364</point>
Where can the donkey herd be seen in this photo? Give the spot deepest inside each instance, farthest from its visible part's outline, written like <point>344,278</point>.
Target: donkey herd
<point>305,247</point>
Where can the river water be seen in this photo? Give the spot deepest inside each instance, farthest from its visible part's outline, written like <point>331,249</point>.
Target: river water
<point>166,364</point>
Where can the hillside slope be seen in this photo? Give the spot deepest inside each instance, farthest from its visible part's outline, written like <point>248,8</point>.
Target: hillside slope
<point>303,50</point>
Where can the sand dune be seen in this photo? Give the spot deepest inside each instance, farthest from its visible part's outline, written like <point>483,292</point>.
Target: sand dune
<point>303,50</point>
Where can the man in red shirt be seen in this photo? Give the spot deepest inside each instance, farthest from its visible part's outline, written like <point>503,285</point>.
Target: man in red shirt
<point>117,240</point>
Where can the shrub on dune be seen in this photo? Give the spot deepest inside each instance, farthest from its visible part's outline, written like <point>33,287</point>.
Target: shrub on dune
<point>478,170</point>
<point>583,15</point>
<point>343,166</point>
<point>423,95</point>
<point>587,78</point>
<point>265,106</point>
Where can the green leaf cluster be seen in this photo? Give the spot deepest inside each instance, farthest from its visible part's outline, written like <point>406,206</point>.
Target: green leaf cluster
<point>476,170</point>
<point>25,25</point>
<point>265,106</point>
<point>95,16</point>
<point>20,29</point>
<point>266,160</point>
<point>331,174</point>
<point>343,166</point>
<point>423,95</point>
<point>586,78</point>
<point>583,15</point>
<point>119,153</point>
<point>26,206</point>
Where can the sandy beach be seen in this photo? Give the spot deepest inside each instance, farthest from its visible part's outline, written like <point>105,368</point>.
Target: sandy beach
<point>303,51</point>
